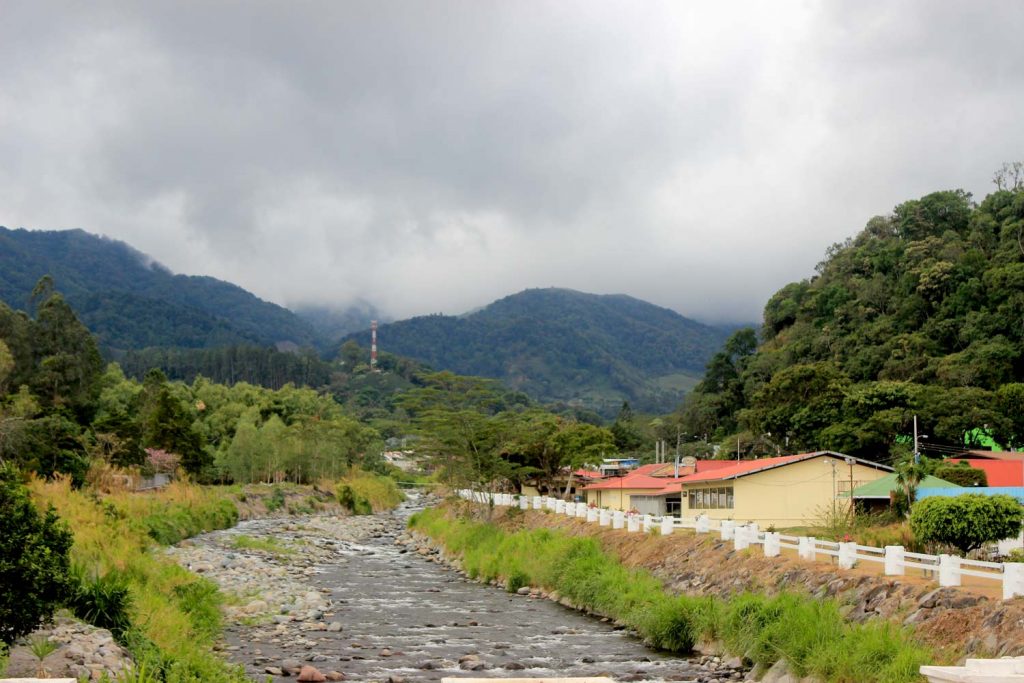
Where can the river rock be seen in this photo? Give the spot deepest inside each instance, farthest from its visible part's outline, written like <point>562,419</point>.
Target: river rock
<point>310,673</point>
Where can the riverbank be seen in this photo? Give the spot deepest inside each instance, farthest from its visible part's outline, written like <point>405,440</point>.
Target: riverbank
<point>807,632</point>
<point>144,606</point>
<point>350,597</point>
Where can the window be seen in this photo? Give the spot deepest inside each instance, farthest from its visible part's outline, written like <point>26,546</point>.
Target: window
<point>720,498</point>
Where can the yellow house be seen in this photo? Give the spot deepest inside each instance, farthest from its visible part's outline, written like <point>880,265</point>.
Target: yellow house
<point>787,491</point>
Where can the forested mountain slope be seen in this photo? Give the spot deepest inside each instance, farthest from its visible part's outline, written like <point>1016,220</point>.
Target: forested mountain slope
<point>922,312</point>
<point>131,302</point>
<point>562,345</point>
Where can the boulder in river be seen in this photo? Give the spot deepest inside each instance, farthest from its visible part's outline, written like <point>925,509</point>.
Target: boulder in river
<point>310,673</point>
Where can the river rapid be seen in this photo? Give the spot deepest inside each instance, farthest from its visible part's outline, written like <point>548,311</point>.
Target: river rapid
<point>339,594</point>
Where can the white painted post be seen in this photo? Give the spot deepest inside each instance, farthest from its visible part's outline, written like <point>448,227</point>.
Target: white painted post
<point>1013,579</point>
<point>847,555</point>
<point>633,524</point>
<point>618,519</point>
<point>537,502</point>
<point>668,523</point>
<point>806,548</point>
<point>740,538</point>
<point>948,570</point>
<point>591,515</point>
<point>524,503</point>
<point>727,528</point>
<point>648,522</point>
<point>570,509</point>
<point>581,510</point>
<point>703,526</point>
<point>559,506</point>
<point>604,517</point>
<point>894,557</point>
<point>771,544</point>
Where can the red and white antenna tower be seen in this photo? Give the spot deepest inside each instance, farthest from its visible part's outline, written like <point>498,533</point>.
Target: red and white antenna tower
<point>373,344</point>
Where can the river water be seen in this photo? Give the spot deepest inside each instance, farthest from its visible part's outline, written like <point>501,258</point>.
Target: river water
<point>405,617</point>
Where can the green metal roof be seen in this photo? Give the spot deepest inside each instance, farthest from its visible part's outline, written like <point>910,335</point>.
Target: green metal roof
<point>880,488</point>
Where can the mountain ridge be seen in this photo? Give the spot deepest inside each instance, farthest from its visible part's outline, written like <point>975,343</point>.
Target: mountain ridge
<point>562,345</point>
<point>130,300</point>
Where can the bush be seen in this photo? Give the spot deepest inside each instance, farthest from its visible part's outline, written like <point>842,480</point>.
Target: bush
<point>34,560</point>
<point>276,500</point>
<point>962,474</point>
<point>966,521</point>
<point>103,601</point>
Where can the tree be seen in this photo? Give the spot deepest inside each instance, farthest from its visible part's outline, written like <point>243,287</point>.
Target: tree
<point>967,521</point>
<point>34,562</point>
<point>624,429</point>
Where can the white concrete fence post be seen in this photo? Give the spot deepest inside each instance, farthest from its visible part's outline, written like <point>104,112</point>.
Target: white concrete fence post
<point>727,527</point>
<point>807,548</point>
<point>847,555</point>
<point>618,519</point>
<point>1013,579</point>
<point>894,558</point>
<point>559,506</point>
<point>524,503</point>
<point>591,515</point>
<point>604,517</point>
<point>647,522</point>
<point>948,570</point>
<point>741,538</point>
<point>633,523</point>
<point>703,524</point>
<point>772,544</point>
<point>581,510</point>
<point>668,523</point>
<point>537,502</point>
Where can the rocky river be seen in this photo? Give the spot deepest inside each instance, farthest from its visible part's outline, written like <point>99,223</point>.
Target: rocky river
<point>354,598</point>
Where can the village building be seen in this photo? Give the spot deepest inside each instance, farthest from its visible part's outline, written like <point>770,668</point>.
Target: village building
<point>785,491</point>
<point>633,490</point>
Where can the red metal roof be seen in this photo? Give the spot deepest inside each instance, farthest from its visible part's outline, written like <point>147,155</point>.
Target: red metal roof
<point>998,472</point>
<point>588,474</point>
<point>656,476</point>
<point>742,468</point>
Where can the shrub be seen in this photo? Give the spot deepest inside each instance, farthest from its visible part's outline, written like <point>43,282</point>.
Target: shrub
<point>276,500</point>
<point>966,521</point>
<point>962,474</point>
<point>34,558</point>
<point>104,601</point>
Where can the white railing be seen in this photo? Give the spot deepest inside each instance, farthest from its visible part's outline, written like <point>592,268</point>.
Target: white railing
<point>895,560</point>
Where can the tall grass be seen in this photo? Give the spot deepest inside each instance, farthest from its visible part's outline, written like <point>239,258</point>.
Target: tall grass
<point>173,615</point>
<point>363,493</point>
<point>810,635</point>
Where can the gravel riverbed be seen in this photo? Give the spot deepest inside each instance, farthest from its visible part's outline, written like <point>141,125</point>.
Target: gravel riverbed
<point>358,598</point>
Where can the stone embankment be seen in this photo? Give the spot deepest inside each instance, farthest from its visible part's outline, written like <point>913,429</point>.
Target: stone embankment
<point>81,652</point>
<point>959,621</point>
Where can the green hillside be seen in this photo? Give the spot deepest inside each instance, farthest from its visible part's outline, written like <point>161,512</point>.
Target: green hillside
<point>131,302</point>
<point>560,345</point>
<point>922,312</point>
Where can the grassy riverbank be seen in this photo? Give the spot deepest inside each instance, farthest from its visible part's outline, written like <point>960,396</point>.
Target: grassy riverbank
<point>171,617</point>
<point>810,635</point>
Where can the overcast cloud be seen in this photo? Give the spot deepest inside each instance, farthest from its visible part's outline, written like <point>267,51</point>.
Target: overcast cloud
<point>433,156</point>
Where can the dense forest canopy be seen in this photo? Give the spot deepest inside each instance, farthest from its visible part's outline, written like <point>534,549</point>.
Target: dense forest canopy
<point>586,350</point>
<point>131,302</point>
<point>921,313</point>
<point>63,411</point>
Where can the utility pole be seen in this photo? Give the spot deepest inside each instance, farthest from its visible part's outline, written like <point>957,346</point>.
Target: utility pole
<point>917,453</point>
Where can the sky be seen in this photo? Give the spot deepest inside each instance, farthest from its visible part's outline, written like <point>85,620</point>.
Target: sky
<point>433,156</point>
